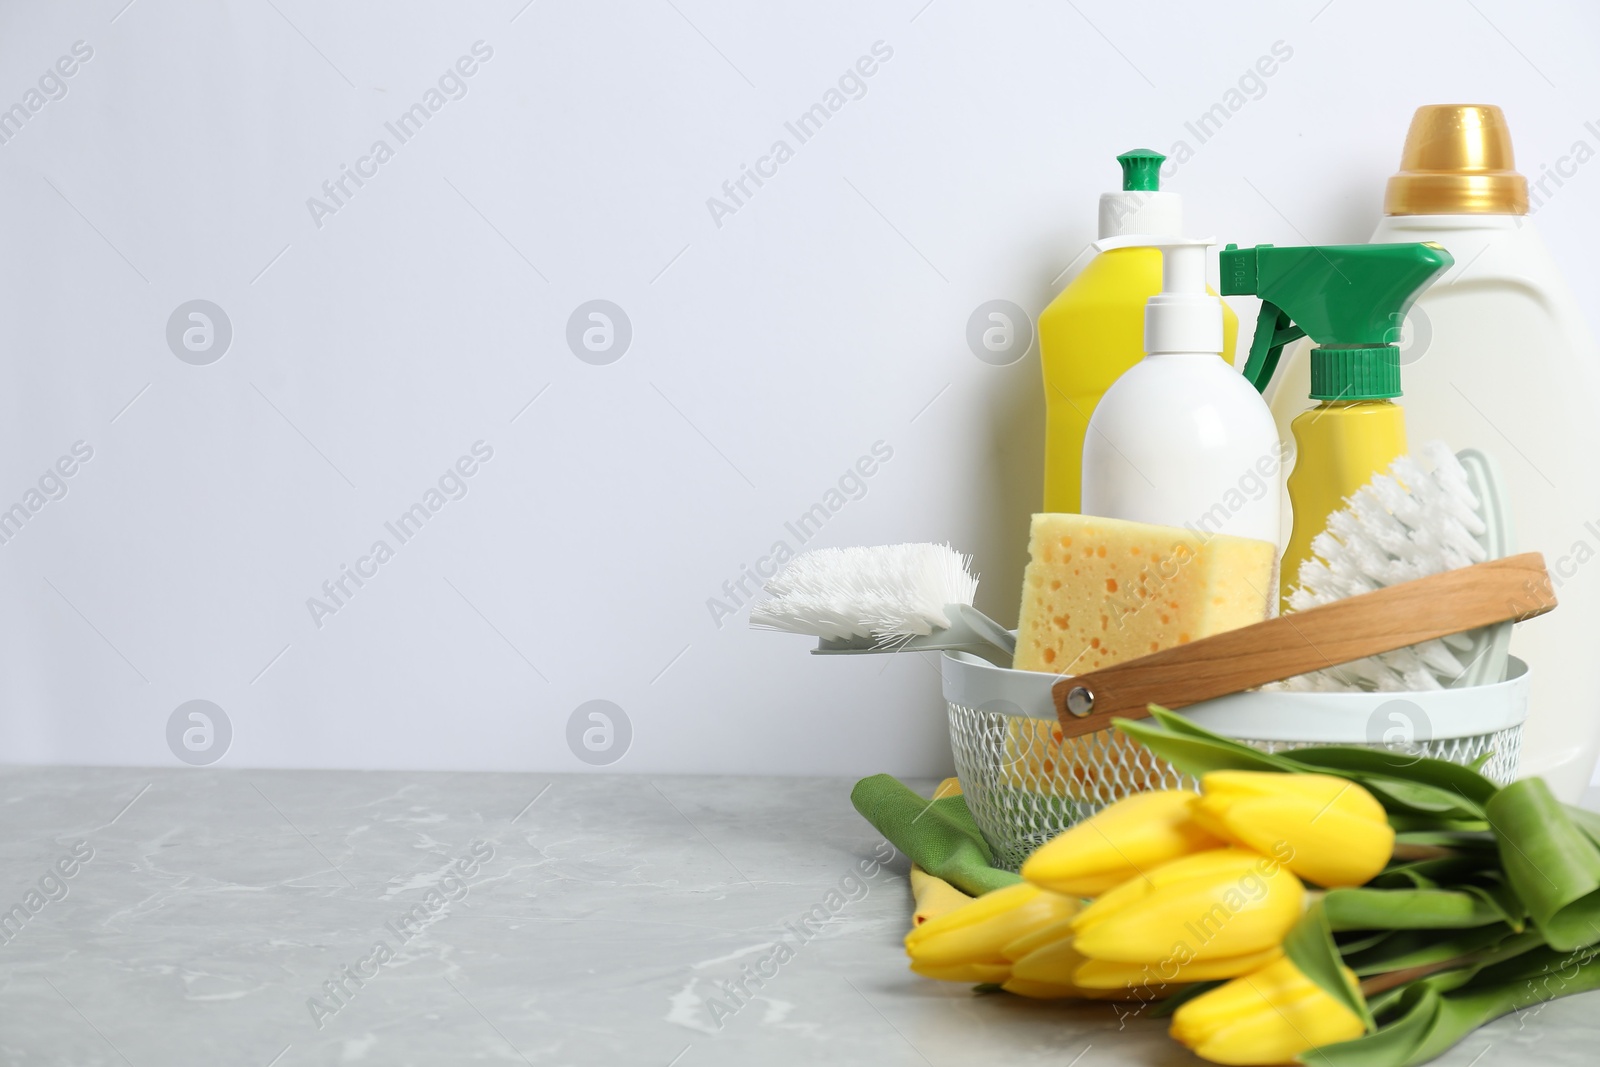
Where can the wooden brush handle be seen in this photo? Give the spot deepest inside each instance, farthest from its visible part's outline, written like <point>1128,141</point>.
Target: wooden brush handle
<point>1516,588</point>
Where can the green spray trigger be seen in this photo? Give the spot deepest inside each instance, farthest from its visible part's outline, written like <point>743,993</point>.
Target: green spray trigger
<point>1274,329</point>
<point>1349,299</point>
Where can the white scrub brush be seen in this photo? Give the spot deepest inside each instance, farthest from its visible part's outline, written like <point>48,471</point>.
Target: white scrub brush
<point>1433,511</point>
<point>889,598</point>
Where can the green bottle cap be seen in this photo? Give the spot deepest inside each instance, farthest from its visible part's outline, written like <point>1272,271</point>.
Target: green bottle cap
<point>1355,373</point>
<point>1141,169</point>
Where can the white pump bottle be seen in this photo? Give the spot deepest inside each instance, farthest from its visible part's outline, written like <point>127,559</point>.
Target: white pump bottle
<point>1182,439</point>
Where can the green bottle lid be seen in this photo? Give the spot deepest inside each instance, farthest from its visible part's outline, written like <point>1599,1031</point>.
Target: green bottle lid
<point>1371,373</point>
<point>1141,169</point>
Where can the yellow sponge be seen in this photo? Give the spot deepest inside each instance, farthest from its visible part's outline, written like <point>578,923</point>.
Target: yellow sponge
<point>1100,591</point>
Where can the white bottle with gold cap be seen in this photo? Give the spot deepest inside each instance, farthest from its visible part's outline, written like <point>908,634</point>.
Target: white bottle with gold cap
<point>1497,356</point>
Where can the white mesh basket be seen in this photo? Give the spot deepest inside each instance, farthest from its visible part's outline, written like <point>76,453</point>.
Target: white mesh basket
<point>1024,784</point>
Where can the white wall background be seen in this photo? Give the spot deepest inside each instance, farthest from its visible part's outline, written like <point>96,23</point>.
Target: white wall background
<point>767,353</point>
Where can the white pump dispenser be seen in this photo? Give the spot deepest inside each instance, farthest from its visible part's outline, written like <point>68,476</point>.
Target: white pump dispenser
<point>1182,439</point>
<point>1183,317</point>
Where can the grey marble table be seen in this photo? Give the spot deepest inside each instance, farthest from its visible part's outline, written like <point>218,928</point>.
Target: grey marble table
<point>326,917</point>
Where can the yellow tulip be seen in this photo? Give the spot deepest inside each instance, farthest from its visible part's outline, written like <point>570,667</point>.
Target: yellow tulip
<point>967,944</point>
<point>1325,829</point>
<point>933,896</point>
<point>1131,836</point>
<point>1023,987</point>
<point>1267,1017</point>
<point>1043,964</point>
<point>971,973</point>
<point>1105,974</point>
<point>1037,940</point>
<point>1027,987</point>
<point>1225,904</point>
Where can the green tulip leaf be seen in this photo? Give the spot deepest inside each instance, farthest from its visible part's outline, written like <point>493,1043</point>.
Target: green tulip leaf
<point>1404,784</point>
<point>1193,750</point>
<point>1444,870</point>
<point>1432,1015</point>
<point>1404,949</point>
<point>1389,763</point>
<point>1587,821</point>
<point>1386,1005</point>
<point>1433,824</point>
<point>1502,898</point>
<point>1407,909</point>
<point>1352,942</point>
<point>1533,961</point>
<point>1178,723</point>
<point>1392,1045</point>
<point>1401,796</point>
<point>1550,861</point>
<point>1457,840</point>
<point>1403,876</point>
<point>1309,946</point>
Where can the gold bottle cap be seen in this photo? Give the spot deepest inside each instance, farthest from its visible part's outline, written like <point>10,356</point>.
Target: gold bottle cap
<point>1457,161</point>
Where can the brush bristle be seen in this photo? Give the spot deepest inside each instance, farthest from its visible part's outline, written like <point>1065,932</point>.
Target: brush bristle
<point>883,592</point>
<point>1403,525</point>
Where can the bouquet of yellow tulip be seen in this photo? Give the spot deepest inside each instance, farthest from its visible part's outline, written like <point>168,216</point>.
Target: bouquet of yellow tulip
<point>1362,903</point>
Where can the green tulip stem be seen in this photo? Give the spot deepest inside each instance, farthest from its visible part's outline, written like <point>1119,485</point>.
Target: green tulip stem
<point>1381,983</point>
<point>1406,852</point>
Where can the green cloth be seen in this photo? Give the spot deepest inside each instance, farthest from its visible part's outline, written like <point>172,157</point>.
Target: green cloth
<point>937,835</point>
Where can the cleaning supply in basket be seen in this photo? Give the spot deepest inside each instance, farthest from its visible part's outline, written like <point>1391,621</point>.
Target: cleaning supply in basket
<point>1099,591</point>
<point>1181,438</point>
<point>1413,521</point>
<point>1349,300</point>
<point>887,598</point>
<point>1094,329</point>
<point>1499,352</point>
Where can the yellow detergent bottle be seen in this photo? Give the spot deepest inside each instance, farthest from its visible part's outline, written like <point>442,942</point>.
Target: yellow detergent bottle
<point>1350,300</point>
<point>1094,329</point>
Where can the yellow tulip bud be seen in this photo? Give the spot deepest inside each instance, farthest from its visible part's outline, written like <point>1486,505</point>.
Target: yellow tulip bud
<point>967,944</point>
<point>971,973</point>
<point>1053,961</point>
<point>1034,940</point>
<point>1218,905</point>
<point>1043,964</point>
<point>1104,974</point>
<point>1133,835</point>
<point>1326,829</point>
<point>1024,987</point>
<point>933,896</point>
<point>1266,1017</point>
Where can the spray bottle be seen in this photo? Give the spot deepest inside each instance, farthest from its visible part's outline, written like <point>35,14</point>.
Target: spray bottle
<point>1350,300</point>
<point>1182,439</point>
<point>1093,330</point>
<point>1500,358</point>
